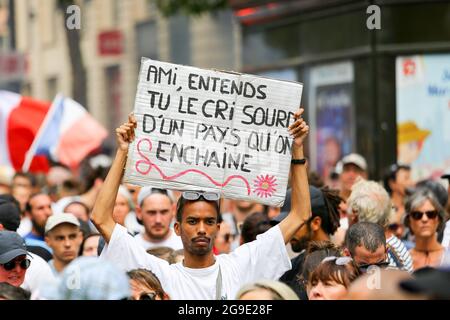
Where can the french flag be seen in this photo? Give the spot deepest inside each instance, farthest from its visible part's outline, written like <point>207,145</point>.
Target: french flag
<point>20,120</point>
<point>67,135</point>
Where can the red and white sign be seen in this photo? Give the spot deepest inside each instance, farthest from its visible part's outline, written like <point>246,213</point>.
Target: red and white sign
<point>110,43</point>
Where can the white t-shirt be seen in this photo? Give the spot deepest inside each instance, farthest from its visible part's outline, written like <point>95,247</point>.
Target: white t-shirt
<point>173,242</point>
<point>446,238</point>
<point>25,227</point>
<point>39,273</point>
<point>264,258</point>
<point>131,223</point>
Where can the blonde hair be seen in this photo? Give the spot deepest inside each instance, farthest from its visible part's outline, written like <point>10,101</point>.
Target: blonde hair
<point>371,203</point>
<point>277,289</point>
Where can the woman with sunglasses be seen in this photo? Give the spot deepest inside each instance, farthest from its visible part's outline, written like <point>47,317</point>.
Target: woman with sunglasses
<point>145,285</point>
<point>13,258</point>
<point>332,278</point>
<point>425,217</point>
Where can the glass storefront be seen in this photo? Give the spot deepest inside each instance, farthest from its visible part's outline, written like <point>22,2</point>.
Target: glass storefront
<point>322,35</point>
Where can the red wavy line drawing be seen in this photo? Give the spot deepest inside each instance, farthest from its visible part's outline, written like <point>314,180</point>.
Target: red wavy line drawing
<point>150,164</point>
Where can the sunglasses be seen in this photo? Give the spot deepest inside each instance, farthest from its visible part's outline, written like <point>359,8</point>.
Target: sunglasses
<point>147,296</point>
<point>24,264</point>
<point>195,195</point>
<point>417,215</point>
<point>364,267</point>
<point>340,261</point>
<point>394,227</point>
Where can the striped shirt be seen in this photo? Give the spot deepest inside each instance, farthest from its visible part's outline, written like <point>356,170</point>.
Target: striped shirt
<point>399,256</point>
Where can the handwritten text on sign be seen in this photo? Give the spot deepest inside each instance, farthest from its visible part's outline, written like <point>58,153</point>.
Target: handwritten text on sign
<point>213,131</point>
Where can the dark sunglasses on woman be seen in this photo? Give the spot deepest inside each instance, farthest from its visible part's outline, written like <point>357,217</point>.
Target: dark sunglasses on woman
<point>24,264</point>
<point>144,296</point>
<point>417,215</point>
<point>147,296</point>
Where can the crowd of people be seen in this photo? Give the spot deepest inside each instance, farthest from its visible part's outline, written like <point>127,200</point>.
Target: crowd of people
<point>92,237</point>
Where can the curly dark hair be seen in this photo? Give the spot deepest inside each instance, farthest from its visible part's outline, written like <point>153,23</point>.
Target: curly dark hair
<point>332,202</point>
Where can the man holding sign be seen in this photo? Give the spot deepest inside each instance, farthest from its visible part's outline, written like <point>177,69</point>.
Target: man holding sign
<point>202,275</point>
<point>215,131</point>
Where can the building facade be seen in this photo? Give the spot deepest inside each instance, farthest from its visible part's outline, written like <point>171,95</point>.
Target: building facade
<point>115,34</point>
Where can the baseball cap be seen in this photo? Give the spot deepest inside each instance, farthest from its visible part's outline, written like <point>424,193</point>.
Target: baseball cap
<point>11,246</point>
<point>9,212</point>
<point>356,159</point>
<point>59,218</point>
<point>434,283</point>
<point>147,191</point>
<point>6,175</point>
<point>318,206</point>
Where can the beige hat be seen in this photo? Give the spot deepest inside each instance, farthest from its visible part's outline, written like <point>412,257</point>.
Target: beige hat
<point>59,218</point>
<point>355,159</point>
<point>6,175</point>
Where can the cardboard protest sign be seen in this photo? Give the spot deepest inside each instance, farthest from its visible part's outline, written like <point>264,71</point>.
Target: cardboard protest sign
<point>212,131</point>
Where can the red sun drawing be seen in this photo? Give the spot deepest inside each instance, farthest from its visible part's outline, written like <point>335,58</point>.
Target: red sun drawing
<point>264,185</point>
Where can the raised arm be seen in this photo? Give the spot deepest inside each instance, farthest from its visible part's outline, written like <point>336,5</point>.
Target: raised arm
<point>102,213</point>
<point>300,201</point>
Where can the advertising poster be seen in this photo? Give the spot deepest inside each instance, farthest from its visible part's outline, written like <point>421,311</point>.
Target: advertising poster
<point>423,114</point>
<point>331,103</point>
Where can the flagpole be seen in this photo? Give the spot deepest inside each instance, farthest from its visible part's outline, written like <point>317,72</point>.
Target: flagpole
<point>32,150</point>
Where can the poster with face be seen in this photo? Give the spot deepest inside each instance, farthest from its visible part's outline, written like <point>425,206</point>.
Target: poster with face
<point>423,114</point>
<point>331,103</point>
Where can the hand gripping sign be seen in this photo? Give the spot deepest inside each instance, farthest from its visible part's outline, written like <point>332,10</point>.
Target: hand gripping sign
<point>213,131</point>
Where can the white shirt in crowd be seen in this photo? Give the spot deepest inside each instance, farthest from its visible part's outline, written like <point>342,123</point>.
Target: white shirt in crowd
<point>173,242</point>
<point>446,238</point>
<point>131,223</point>
<point>24,227</point>
<point>264,258</point>
<point>37,275</point>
